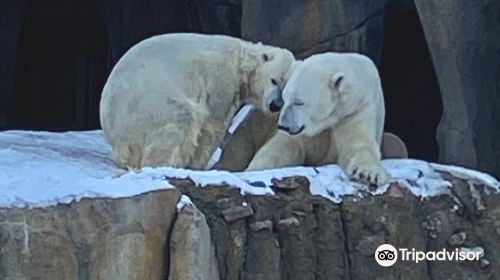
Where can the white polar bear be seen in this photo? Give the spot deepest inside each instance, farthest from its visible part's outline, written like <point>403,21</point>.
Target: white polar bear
<point>170,98</point>
<point>334,102</point>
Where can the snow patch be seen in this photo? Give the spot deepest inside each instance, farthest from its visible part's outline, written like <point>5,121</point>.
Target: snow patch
<point>468,174</point>
<point>185,200</point>
<point>214,158</point>
<point>240,116</point>
<point>417,176</point>
<point>210,177</point>
<point>237,120</point>
<point>43,169</point>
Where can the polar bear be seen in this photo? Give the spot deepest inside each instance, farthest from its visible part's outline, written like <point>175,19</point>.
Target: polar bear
<point>333,112</point>
<point>170,98</point>
<point>258,127</point>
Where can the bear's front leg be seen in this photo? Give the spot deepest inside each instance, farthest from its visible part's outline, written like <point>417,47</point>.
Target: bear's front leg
<point>359,154</point>
<point>282,150</point>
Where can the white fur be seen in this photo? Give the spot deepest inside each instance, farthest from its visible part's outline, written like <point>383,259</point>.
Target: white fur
<point>170,98</point>
<point>335,102</point>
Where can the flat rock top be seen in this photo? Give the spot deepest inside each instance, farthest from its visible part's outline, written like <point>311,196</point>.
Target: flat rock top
<point>43,168</point>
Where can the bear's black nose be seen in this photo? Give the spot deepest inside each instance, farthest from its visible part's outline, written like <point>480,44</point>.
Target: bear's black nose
<point>275,106</point>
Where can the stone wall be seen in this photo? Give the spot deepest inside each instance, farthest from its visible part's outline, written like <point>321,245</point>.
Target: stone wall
<point>224,235</point>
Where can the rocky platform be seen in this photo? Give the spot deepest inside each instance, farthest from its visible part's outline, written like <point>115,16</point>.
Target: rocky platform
<point>65,214</point>
<point>222,234</point>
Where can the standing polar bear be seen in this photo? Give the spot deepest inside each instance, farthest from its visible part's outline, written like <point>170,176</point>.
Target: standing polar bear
<point>170,98</point>
<point>333,112</point>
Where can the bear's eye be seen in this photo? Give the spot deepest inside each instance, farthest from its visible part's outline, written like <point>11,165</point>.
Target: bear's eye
<point>298,103</point>
<point>266,57</point>
<point>338,82</point>
<point>273,81</point>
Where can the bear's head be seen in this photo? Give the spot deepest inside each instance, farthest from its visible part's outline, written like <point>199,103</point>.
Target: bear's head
<point>268,78</point>
<point>321,91</point>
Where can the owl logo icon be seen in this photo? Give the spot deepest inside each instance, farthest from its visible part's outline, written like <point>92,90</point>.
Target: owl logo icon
<point>386,255</point>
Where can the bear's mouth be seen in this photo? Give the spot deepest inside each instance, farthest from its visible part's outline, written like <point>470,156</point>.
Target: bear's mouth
<point>292,132</point>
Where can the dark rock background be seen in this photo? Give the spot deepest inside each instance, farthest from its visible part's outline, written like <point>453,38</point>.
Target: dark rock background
<point>439,61</point>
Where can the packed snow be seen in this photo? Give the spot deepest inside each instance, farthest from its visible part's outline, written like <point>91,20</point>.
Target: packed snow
<point>240,116</point>
<point>237,120</point>
<point>185,200</point>
<point>39,169</point>
<point>464,173</point>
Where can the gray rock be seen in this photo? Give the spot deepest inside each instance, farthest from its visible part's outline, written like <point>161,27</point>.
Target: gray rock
<point>463,41</point>
<point>237,212</point>
<point>289,222</point>
<point>262,225</point>
<point>457,239</point>
<point>393,147</point>
<point>192,255</point>
<point>484,263</point>
<point>308,27</point>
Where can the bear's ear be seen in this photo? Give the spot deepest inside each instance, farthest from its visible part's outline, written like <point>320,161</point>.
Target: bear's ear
<point>338,82</point>
<point>267,57</point>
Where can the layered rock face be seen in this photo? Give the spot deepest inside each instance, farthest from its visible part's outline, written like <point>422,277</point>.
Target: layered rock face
<point>294,235</point>
<point>225,235</point>
<point>92,239</point>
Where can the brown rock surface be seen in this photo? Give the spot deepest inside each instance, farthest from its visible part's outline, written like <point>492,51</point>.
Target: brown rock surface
<point>289,235</point>
<point>192,254</point>
<point>294,235</point>
<point>92,239</point>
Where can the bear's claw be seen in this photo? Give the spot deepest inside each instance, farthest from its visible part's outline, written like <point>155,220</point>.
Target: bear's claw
<point>368,173</point>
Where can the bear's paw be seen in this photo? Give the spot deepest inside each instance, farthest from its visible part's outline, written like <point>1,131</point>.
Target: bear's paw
<point>368,172</point>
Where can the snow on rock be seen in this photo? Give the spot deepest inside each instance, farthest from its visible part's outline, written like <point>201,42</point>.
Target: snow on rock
<point>463,173</point>
<point>214,158</point>
<point>40,169</point>
<point>417,176</point>
<point>185,200</point>
<point>240,116</point>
